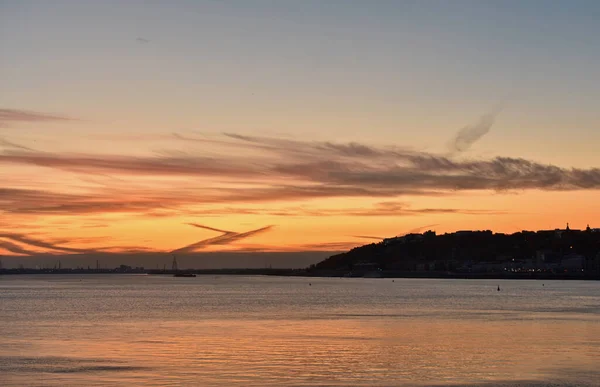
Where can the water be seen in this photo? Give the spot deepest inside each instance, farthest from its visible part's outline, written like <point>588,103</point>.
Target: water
<point>110,330</point>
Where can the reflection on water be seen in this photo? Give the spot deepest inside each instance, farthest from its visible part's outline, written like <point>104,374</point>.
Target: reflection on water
<point>267,331</point>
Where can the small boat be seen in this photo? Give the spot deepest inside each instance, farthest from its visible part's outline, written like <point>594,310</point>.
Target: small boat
<point>184,275</point>
<point>175,268</point>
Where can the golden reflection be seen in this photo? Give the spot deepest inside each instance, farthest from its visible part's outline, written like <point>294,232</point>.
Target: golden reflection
<point>351,351</point>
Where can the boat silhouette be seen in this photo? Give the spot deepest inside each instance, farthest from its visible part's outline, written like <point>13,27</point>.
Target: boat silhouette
<point>175,268</point>
<point>184,275</point>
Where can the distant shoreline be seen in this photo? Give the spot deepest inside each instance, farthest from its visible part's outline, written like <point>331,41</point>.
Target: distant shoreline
<point>324,274</point>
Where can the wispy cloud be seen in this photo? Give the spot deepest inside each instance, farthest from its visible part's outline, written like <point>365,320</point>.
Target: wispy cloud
<point>125,165</point>
<point>367,237</point>
<point>15,248</point>
<point>327,175</point>
<point>226,238</point>
<point>94,226</point>
<point>470,134</point>
<point>167,204</point>
<point>28,244</point>
<point>210,228</point>
<point>44,202</point>
<point>328,246</point>
<point>414,230</point>
<point>9,144</point>
<point>40,245</point>
<point>280,171</point>
<point>421,228</point>
<point>15,115</point>
<point>30,241</point>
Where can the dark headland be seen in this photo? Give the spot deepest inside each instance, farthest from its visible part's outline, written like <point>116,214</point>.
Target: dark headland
<point>561,253</point>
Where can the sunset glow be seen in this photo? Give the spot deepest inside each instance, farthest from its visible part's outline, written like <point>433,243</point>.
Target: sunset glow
<point>155,136</point>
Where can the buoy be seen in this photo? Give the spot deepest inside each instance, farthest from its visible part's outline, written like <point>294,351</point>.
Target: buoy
<point>498,287</point>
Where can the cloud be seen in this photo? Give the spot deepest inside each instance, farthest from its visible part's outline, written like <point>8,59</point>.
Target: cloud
<point>30,241</point>
<point>226,238</point>
<point>45,202</point>
<point>402,209</point>
<point>251,175</point>
<point>419,229</point>
<point>9,144</point>
<point>419,175</point>
<point>273,171</point>
<point>210,228</point>
<point>378,210</point>
<point>125,165</point>
<point>21,243</point>
<point>303,149</point>
<point>14,115</point>
<point>16,249</point>
<point>292,170</point>
<point>128,250</point>
<point>61,241</point>
<point>470,134</point>
<point>414,230</point>
<point>367,237</point>
<point>328,246</point>
<point>142,40</point>
<point>167,204</point>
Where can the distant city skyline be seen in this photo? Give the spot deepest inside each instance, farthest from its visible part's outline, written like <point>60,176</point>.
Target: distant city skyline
<point>251,127</point>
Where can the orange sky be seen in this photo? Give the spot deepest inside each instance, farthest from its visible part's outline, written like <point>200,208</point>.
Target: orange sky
<point>207,127</point>
<point>229,192</point>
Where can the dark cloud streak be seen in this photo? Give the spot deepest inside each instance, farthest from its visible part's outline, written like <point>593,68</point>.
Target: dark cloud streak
<point>16,115</point>
<point>209,228</point>
<point>226,238</point>
<point>9,144</point>
<point>21,238</point>
<point>14,248</point>
<point>367,237</point>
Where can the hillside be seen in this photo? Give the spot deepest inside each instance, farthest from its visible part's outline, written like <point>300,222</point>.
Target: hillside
<point>475,251</point>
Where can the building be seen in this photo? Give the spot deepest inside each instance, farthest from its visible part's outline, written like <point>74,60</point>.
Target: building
<point>573,262</point>
<point>488,267</point>
<point>589,229</point>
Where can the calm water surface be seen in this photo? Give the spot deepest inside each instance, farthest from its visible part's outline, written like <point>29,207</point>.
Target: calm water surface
<point>110,330</point>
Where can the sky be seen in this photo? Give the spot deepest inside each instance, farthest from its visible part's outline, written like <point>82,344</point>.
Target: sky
<point>255,127</point>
